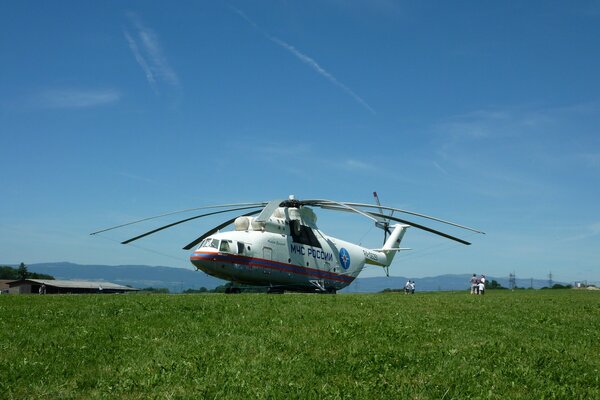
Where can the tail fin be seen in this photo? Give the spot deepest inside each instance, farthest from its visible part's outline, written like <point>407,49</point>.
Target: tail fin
<point>392,245</point>
<point>386,255</point>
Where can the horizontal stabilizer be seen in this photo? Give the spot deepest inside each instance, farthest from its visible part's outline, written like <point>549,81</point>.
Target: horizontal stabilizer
<point>398,249</point>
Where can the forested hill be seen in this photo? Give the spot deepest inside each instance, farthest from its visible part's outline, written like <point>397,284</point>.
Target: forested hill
<point>138,276</point>
<point>8,272</point>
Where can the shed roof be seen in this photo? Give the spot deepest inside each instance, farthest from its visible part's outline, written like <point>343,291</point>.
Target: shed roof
<point>64,284</point>
<point>4,283</point>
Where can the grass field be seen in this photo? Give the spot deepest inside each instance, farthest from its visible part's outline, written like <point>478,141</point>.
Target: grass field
<point>444,345</point>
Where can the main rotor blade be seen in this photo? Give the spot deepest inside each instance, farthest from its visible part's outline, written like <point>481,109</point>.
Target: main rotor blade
<point>260,204</point>
<point>422,227</point>
<point>215,229</point>
<point>268,210</point>
<point>337,205</point>
<point>378,202</point>
<point>328,204</point>
<point>181,222</point>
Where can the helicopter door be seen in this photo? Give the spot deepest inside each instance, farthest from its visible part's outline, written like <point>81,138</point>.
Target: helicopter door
<point>267,253</point>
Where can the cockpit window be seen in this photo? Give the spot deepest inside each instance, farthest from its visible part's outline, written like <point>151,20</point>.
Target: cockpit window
<point>212,243</point>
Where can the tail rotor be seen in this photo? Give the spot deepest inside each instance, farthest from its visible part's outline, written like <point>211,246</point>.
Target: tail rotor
<point>384,223</point>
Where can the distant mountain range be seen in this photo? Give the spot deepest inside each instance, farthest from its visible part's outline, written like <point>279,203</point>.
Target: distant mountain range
<point>180,279</point>
<point>138,276</point>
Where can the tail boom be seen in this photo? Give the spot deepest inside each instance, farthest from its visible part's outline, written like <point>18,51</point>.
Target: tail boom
<point>383,257</point>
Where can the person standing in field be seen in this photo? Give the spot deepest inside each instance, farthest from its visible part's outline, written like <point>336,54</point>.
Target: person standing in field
<point>473,282</point>
<point>482,284</point>
<point>407,287</point>
<point>412,287</point>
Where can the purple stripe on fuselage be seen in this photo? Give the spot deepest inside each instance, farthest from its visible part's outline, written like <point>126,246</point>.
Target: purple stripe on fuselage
<point>260,262</point>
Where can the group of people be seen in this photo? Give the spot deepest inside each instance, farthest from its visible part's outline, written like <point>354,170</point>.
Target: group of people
<point>477,284</point>
<point>409,287</point>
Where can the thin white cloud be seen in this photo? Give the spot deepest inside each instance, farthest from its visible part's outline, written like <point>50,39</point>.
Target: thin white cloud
<point>588,231</point>
<point>516,122</point>
<point>307,60</point>
<point>356,165</point>
<point>591,160</point>
<point>146,49</point>
<point>476,124</point>
<point>295,150</point>
<point>140,59</point>
<point>75,98</point>
<point>490,151</point>
<point>439,168</point>
<point>302,154</point>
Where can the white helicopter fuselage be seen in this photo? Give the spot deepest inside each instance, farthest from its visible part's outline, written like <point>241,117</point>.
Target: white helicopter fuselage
<point>288,251</point>
<point>283,249</point>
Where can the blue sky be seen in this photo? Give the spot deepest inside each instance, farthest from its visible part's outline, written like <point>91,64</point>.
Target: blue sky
<point>482,113</point>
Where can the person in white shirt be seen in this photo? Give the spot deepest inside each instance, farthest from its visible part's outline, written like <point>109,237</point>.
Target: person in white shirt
<point>481,284</point>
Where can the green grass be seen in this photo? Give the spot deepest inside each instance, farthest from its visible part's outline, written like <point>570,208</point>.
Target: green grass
<point>523,344</point>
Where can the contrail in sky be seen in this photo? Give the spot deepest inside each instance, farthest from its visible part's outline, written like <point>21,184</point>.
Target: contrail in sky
<point>305,59</point>
<point>149,55</point>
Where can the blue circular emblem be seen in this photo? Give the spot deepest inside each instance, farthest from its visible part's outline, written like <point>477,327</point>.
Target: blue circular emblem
<point>344,258</point>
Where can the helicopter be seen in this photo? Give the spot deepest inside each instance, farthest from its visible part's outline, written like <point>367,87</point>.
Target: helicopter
<point>282,248</point>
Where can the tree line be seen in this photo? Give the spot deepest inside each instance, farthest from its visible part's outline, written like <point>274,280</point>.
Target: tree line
<point>8,272</point>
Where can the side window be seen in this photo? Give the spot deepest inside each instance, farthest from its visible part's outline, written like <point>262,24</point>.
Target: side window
<point>225,246</point>
<point>240,247</point>
<point>212,243</point>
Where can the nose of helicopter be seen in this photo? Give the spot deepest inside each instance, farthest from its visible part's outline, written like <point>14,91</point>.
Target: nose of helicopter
<point>204,261</point>
<point>198,260</point>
